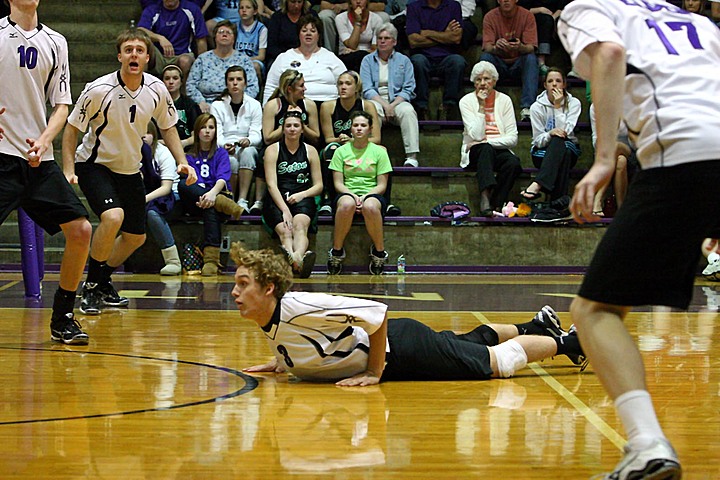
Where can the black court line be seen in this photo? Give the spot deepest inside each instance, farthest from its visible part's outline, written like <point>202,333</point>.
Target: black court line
<point>250,385</point>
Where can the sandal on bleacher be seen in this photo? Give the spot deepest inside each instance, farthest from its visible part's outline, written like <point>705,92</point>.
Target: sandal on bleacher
<point>530,196</point>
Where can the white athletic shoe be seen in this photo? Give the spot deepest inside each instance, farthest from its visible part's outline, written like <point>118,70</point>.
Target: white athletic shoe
<point>712,271</point>
<point>657,462</point>
<point>411,162</point>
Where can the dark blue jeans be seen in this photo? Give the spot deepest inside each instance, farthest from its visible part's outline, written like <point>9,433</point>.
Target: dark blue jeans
<point>525,68</point>
<point>189,195</point>
<point>450,68</point>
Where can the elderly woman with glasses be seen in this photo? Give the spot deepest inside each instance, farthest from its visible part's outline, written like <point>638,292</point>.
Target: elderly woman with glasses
<point>206,81</point>
<point>392,88</point>
<point>490,132</point>
<point>320,67</point>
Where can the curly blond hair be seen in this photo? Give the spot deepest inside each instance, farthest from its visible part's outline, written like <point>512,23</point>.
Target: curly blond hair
<point>268,267</point>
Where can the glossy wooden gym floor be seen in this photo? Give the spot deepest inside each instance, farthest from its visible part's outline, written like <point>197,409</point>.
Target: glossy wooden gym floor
<point>158,392</point>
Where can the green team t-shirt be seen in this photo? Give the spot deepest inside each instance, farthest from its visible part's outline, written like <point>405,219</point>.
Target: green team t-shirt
<point>361,167</point>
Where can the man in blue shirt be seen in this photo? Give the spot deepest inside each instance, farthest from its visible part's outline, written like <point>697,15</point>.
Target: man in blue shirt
<point>173,26</point>
<point>434,29</point>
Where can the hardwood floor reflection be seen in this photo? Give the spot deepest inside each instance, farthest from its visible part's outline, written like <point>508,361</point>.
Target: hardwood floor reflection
<point>158,394</point>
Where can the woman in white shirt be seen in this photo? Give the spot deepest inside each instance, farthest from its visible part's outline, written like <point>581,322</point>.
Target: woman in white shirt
<point>356,28</point>
<point>320,67</point>
<point>239,131</point>
<point>490,132</point>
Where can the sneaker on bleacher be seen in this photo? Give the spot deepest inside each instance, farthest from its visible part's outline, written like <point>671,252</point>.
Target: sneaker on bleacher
<point>411,162</point>
<point>256,208</point>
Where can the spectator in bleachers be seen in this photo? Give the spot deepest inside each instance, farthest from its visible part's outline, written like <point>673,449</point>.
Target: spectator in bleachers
<point>392,88</point>
<point>470,30</point>
<point>282,27</point>
<point>356,28</point>
<point>330,9</point>
<point>360,174</point>
<point>489,134</point>
<point>290,95</point>
<point>266,9</point>
<point>555,148</point>
<point>694,6</point>
<point>239,131</point>
<point>207,76</point>
<point>336,125</point>
<point>509,42</point>
<point>186,108</point>
<point>178,31</point>
<point>319,66</point>
<point>224,10</point>
<point>715,11</point>
<point>546,13</point>
<point>434,29</point>
<point>203,4</point>
<point>208,197</point>
<point>626,166</point>
<point>294,180</point>
<point>160,177</point>
<point>252,36</point>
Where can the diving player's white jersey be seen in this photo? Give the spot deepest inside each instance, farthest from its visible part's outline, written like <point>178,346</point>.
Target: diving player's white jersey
<point>672,87</point>
<point>34,70</point>
<point>323,337</point>
<point>118,118</point>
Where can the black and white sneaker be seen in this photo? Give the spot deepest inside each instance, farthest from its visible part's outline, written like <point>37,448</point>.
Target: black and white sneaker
<point>325,209</point>
<point>578,358</point>
<point>377,264</point>
<point>307,264</point>
<point>110,296</point>
<point>657,462</point>
<point>256,208</point>
<point>67,330</point>
<point>393,211</point>
<point>549,322</point>
<point>91,301</point>
<point>334,264</point>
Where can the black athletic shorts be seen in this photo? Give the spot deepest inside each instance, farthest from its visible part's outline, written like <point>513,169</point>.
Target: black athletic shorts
<point>650,252</point>
<point>272,215</point>
<point>105,189</point>
<point>417,352</point>
<point>43,192</point>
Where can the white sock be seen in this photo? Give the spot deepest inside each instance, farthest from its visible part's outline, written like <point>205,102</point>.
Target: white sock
<point>637,414</point>
<point>713,257</point>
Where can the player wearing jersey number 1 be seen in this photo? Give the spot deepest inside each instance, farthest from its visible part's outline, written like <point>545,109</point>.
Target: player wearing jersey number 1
<point>115,110</point>
<point>666,62</point>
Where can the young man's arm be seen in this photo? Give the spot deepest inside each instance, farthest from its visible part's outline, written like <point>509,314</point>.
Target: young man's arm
<point>607,71</point>
<point>172,141</point>
<point>69,144</point>
<point>376,360</point>
<point>39,146</point>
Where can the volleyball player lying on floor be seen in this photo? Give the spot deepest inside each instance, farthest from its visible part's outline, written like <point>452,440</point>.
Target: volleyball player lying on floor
<point>320,337</point>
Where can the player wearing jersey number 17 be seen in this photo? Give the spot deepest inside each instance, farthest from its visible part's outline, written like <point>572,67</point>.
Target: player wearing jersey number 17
<point>114,110</point>
<point>664,60</point>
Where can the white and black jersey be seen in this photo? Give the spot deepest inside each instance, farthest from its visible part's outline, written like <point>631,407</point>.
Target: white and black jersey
<point>116,118</point>
<point>671,100</point>
<point>323,337</point>
<point>33,71</point>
